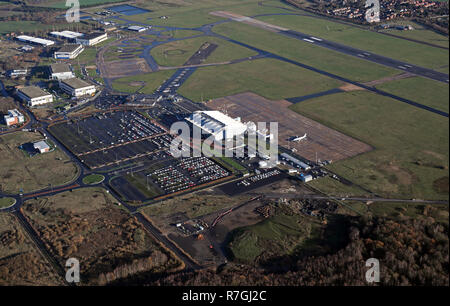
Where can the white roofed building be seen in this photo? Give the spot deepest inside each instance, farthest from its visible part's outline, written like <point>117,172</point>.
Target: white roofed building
<point>35,40</point>
<point>217,124</point>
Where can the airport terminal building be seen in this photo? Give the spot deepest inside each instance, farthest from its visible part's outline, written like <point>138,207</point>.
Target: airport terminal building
<point>219,125</point>
<point>33,95</point>
<point>76,87</point>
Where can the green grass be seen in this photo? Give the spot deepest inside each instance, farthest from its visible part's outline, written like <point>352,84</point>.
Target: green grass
<point>421,90</point>
<point>152,82</point>
<point>181,33</point>
<point>6,202</point>
<point>413,210</point>
<point>139,181</point>
<point>421,34</point>
<point>83,3</point>
<point>343,65</point>
<point>270,78</point>
<point>178,52</point>
<point>411,145</point>
<point>89,54</point>
<point>399,49</point>
<point>93,179</point>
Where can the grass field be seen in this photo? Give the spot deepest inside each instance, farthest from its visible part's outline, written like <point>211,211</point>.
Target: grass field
<point>152,82</point>
<point>83,3</point>
<point>93,179</point>
<point>399,49</point>
<point>267,77</point>
<point>89,54</point>
<point>421,90</point>
<point>178,52</point>
<point>327,60</point>
<point>6,202</point>
<point>19,171</point>
<point>411,145</point>
<point>422,34</point>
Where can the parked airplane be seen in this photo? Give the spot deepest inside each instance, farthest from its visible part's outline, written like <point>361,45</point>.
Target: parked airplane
<point>297,138</point>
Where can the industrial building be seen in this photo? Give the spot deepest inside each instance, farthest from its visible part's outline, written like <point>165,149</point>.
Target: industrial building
<point>76,87</point>
<point>33,95</point>
<point>217,124</point>
<point>137,28</point>
<point>68,52</point>
<point>91,39</point>
<point>294,161</point>
<point>41,146</point>
<point>60,72</point>
<point>14,117</point>
<point>306,178</point>
<point>36,40</point>
<point>69,35</point>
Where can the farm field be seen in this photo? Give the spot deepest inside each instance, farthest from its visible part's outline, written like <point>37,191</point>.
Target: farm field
<point>420,90</point>
<point>411,145</point>
<point>269,78</point>
<point>73,224</point>
<point>19,171</point>
<point>411,52</point>
<point>146,83</point>
<point>345,66</point>
<point>20,262</point>
<point>178,52</point>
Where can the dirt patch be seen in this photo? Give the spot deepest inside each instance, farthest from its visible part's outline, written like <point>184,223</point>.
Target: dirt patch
<point>136,84</point>
<point>329,144</point>
<point>123,68</point>
<point>350,87</point>
<point>441,185</point>
<point>389,79</point>
<point>249,20</point>
<point>398,175</point>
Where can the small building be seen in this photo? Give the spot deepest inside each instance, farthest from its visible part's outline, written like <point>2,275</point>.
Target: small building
<point>14,117</point>
<point>295,162</point>
<point>137,28</point>
<point>69,35</point>
<point>68,52</point>
<point>33,95</point>
<point>41,146</point>
<point>91,39</point>
<point>35,40</point>
<point>76,87</point>
<point>14,73</point>
<point>60,72</point>
<point>26,48</point>
<point>306,178</point>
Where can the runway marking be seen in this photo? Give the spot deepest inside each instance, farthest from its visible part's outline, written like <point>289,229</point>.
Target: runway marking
<point>308,40</point>
<point>315,38</point>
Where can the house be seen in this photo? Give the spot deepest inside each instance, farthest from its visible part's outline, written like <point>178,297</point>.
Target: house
<point>41,146</point>
<point>14,117</point>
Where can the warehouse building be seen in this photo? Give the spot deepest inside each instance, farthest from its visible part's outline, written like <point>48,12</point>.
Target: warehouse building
<point>33,95</point>
<point>137,28</point>
<point>41,146</point>
<point>60,72</point>
<point>69,35</point>
<point>68,52</point>
<point>217,124</point>
<point>35,40</point>
<point>14,117</point>
<point>294,161</point>
<point>17,72</point>
<point>76,87</point>
<point>91,39</point>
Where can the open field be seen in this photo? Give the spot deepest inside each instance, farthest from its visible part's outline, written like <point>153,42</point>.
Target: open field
<point>439,212</point>
<point>286,232</point>
<point>178,52</point>
<point>19,171</point>
<point>108,242</point>
<point>83,3</point>
<point>145,83</point>
<point>6,202</point>
<point>411,145</point>
<point>269,78</point>
<point>20,262</point>
<point>327,143</point>
<point>303,52</point>
<point>410,52</point>
<point>420,33</point>
<point>420,90</point>
<point>126,67</point>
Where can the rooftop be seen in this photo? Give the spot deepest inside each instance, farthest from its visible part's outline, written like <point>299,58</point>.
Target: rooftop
<point>60,68</point>
<point>41,145</point>
<point>76,83</point>
<point>69,48</point>
<point>92,35</point>
<point>33,92</point>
